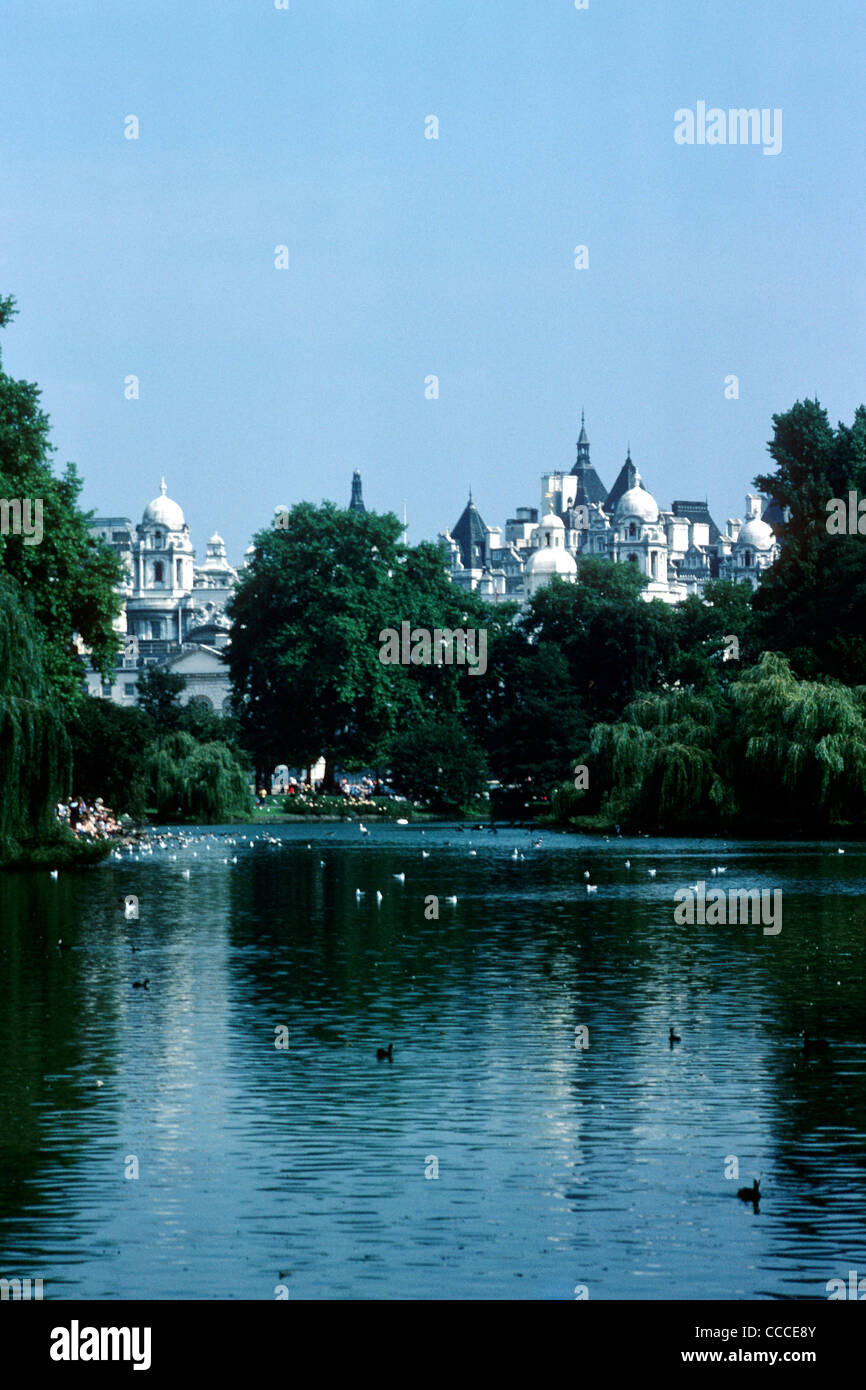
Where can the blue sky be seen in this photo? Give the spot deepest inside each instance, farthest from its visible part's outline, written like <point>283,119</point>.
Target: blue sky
<point>411,257</point>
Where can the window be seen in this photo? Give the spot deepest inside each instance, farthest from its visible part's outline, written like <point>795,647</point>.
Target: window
<point>632,559</point>
<point>157,572</point>
<point>748,558</point>
<point>129,688</point>
<point>180,572</point>
<point>632,530</point>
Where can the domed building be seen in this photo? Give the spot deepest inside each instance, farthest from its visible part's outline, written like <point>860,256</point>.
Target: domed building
<point>549,557</point>
<point>679,551</point>
<point>174,612</point>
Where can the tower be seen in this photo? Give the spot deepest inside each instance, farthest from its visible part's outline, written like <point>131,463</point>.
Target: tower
<point>356,502</point>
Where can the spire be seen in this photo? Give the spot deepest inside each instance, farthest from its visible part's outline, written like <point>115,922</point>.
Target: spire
<point>162,486</point>
<point>582,446</point>
<point>356,503</point>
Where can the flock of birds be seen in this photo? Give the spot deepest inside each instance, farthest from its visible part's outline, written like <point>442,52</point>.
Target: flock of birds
<point>139,850</point>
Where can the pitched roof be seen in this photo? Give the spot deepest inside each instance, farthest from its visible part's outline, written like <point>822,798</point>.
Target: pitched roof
<point>470,533</point>
<point>590,488</point>
<point>627,478</point>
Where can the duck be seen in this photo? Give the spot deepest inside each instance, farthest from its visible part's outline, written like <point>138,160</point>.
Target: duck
<point>673,1037</point>
<point>750,1194</point>
<point>141,984</point>
<point>651,872</point>
<point>53,873</point>
<point>591,887</point>
<point>358,894</point>
<point>378,896</point>
<point>814,1044</point>
<point>385,1052</point>
<point>628,863</point>
<point>401,878</point>
<point>586,873</point>
<point>425,854</point>
<point>452,901</point>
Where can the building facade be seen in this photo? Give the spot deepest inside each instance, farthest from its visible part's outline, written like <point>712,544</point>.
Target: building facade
<point>677,550</point>
<point>174,611</point>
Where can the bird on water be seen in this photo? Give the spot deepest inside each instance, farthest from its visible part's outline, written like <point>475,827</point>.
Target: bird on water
<point>385,1052</point>
<point>750,1194</point>
<point>141,984</point>
<point>673,1037</point>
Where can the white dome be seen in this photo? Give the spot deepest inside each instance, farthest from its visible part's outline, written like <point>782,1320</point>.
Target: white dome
<point>549,560</point>
<point>163,512</point>
<point>552,522</point>
<point>637,505</point>
<point>757,534</point>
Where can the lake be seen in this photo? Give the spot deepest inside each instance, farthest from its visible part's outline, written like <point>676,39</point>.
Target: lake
<point>492,1157</point>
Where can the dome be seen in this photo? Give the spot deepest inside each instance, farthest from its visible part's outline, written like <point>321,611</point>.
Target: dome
<point>637,505</point>
<point>163,512</point>
<point>757,534</point>
<point>216,539</point>
<point>552,522</point>
<point>547,561</point>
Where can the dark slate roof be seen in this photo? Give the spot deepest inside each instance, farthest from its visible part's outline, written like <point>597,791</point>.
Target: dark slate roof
<point>590,488</point>
<point>627,478</point>
<point>470,533</point>
<point>697,511</point>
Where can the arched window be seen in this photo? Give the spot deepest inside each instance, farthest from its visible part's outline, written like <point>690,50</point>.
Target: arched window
<point>157,572</point>
<point>179,572</point>
<point>748,558</point>
<point>653,560</point>
<point>632,559</point>
<point>632,530</point>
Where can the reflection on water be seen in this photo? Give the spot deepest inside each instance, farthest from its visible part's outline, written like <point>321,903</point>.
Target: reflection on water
<point>305,1166</point>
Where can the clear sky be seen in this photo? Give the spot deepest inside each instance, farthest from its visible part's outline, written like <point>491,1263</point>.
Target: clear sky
<point>409,257</point>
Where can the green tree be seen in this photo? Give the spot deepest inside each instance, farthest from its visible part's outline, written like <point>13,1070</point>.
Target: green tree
<point>703,626</point>
<point>435,760</point>
<point>159,695</point>
<point>660,766</point>
<point>202,782</point>
<point>109,744</point>
<point>307,618</point>
<point>811,604</point>
<point>615,643</point>
<point>70,577</point>
<point>34,748</point>
<point>800,753</point>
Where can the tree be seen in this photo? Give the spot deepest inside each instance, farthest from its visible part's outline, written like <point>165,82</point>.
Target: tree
<point>661,765</point>
<point>108,748</point>
<point>800,747</point>
<point>434,759</point>
<point>308,615</point>
<point>71,578</point>
<point>194,781</point>
<point>811,604</point>
<point>34,748</point>
<point>159,695</point>
<point>703,626</point>
<point>615,643</point>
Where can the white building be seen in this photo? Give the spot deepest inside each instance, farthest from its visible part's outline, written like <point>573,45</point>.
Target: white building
<point>173,610</point>
<point>678,550</point>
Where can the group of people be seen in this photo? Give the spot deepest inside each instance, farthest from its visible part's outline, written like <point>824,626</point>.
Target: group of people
<point>97,820</point>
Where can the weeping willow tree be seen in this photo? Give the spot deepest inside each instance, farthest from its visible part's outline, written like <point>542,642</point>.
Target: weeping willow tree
<point>802,745</point>
<point>195,781</point>
<point>35,756</point>
<point>660,764</point>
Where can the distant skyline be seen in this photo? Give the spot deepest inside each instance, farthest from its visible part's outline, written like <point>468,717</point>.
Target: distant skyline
<point>411,257</point>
